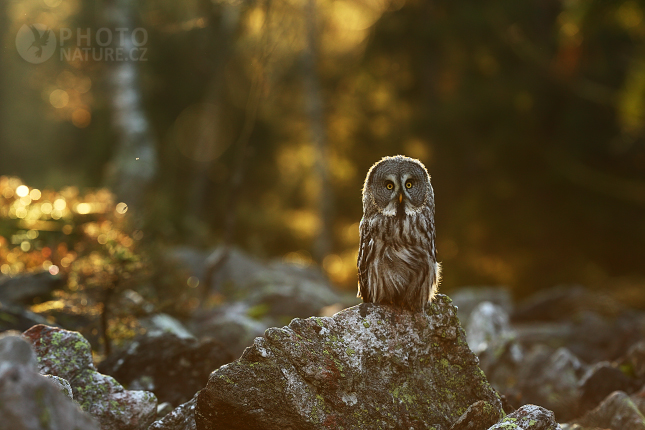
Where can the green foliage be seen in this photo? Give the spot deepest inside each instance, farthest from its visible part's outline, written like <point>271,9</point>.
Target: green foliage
<point>87,240</point>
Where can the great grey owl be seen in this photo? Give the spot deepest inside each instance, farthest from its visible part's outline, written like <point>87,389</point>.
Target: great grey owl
<point>397,259</point>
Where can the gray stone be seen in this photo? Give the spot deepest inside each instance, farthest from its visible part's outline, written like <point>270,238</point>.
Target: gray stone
<point>29,401</point>
<point>181,418</point>
<point>23,288</point>
<point>231,325</point>
<point>479,416</point>
<point>163,409</point>
<point>15,350</point>
<point>237,270</point>
<point>528,417</point>
<point>62,385</point>
<point>467,298</point>
<point>68,355</point>
<point>599,381</point>
<point>369,366</point>
<point>15,317</point>
<point>173,368</point>
<point>616,412</point>
<point>60,352</point>
<point>491,337</point>
<point>552,380</point>
<point>488,327</point>
<point>160,324</point>
<point>289,291</point>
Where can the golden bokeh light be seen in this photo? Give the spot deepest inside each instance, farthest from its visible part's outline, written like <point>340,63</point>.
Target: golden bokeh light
<point>22,191</point>
<point>300,258</point>
<point>59,98</point>
<point>60,204</point>
<point>83,85</point>
<point>35,194</point>
<point>8,193</point>
<point>83,208</point>
<point>629,15</point>
<point>46,208</point>
<point>81,118</point>
<point>121,208</point>
<point>303,223</point>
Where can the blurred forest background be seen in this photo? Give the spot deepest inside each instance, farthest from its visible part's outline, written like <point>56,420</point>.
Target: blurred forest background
<point>253,123</point>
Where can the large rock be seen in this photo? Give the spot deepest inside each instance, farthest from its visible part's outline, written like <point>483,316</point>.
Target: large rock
<point>288,291</point>
<point>488,327</point>
<point>171,367</point>
<point>369,366</point>
<point>491,337</point>
<point>68,355</point>
<point>616,412</point>
<point>599,381</point>
<point>29,401</point>
<point>551,379</point>
<point>231,324</point>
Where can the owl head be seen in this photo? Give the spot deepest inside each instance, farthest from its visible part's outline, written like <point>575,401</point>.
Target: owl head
<point>397,186</point>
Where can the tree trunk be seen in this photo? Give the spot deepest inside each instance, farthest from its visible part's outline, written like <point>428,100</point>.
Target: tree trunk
<point>224,23</point>
<point>134,163</point>
<point>318,131</point>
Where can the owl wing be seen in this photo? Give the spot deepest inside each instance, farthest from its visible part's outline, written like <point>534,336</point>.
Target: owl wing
<point>365,255</point>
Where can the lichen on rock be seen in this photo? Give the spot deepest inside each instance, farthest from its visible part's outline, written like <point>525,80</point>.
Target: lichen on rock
<point>369,366</point>
<point>68,355</point>
<point>528,417</point>
<point>29,401</point>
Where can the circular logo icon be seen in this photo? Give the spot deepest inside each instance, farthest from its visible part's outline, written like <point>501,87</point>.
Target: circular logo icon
<point>35,43</point>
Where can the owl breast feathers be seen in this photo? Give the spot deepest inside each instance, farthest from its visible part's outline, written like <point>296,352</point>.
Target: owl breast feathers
<point>397,259</point>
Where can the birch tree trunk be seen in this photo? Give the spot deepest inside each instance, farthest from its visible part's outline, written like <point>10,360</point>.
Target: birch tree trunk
<point>134,163</point>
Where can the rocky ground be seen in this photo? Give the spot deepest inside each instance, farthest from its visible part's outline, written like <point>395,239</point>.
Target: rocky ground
<point>566,356</point>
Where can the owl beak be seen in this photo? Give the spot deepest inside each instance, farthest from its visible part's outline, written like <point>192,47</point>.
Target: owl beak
<point>400,198</point>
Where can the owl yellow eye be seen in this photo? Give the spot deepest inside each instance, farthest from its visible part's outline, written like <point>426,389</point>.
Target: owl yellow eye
<point>390,186</point>
<point>408,185</point>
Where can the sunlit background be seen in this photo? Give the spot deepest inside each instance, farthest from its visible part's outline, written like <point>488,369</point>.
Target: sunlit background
<point>253,123</point>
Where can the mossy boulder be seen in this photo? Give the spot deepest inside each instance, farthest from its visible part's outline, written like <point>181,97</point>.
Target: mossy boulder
<point>369,366</point>
<point>29,401</point>
<point>68,355</point>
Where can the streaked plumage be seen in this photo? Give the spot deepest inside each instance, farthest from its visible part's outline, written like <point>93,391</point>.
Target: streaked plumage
<point>397,260</point>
